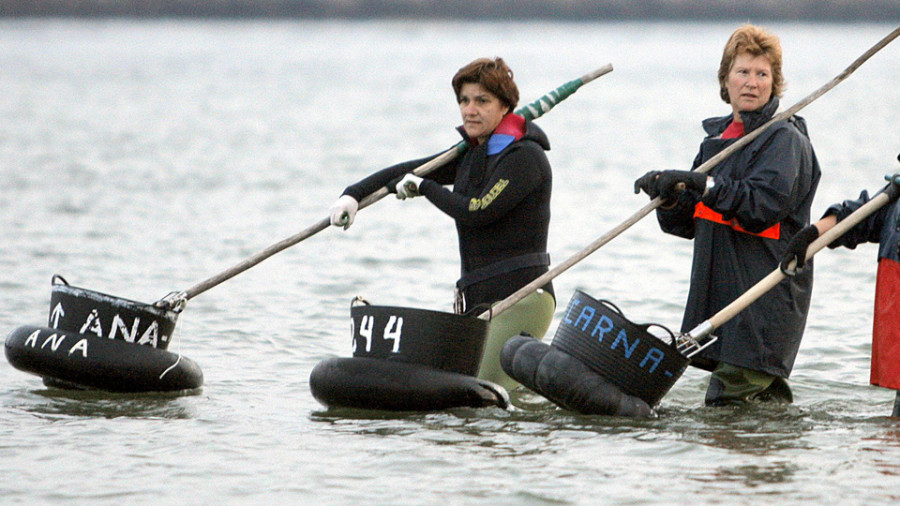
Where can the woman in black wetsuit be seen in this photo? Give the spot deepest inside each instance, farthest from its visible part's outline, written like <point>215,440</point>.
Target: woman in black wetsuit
<point>500,202</point>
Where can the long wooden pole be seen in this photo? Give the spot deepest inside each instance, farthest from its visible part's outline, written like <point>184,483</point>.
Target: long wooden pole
<point>773,278</point>
<point>534,110</point>
<point>531,111</point>
<point>705,167</point>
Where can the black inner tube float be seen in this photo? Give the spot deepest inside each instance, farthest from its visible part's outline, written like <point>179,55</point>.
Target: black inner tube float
<point>100,342</point>
<point>599,362</point>
<point>407,359</point>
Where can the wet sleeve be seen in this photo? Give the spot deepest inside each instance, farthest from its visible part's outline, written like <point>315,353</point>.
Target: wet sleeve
<point>868,230</point>
<point>679,219</point>
<point>518,174</point>
<point>374,182</point>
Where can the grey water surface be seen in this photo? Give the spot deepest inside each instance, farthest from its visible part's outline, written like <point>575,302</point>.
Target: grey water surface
<point>141,157</point>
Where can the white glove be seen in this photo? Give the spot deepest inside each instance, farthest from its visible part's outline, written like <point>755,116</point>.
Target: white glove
<point>343,211</point>
<point>408,187</point>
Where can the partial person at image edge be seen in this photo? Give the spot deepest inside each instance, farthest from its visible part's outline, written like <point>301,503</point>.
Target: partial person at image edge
<point>883,228</point>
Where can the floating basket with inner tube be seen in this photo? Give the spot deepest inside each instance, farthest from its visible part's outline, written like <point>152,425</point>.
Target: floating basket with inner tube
<point>97,341</point>
<point>407,359</point>
<point>599,362</point>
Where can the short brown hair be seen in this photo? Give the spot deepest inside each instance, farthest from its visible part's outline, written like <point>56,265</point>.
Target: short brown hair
<point>758,42</point>
<point>494,75</point>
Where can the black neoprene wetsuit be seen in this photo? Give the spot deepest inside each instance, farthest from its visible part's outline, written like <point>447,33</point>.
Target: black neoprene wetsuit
<point>501,205</point>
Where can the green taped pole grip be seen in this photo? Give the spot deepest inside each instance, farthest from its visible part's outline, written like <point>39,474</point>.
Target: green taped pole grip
<point>544,104</point>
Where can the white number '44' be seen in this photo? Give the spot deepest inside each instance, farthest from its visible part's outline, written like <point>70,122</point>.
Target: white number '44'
<point>392,332</point>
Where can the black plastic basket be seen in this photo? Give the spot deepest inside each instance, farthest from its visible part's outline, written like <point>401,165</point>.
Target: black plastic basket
<point>84,311</point>
<point>446,341</point>
<point>625,353</point>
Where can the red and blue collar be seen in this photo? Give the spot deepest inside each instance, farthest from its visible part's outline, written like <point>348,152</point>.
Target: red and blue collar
<point>510,129</point>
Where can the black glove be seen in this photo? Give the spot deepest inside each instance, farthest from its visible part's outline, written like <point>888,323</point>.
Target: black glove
<point>668,181</point>
<point>647,182</point>
<point>797,249</point>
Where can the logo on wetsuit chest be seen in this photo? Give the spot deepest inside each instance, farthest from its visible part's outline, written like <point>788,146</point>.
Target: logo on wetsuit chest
<point>482,203</point>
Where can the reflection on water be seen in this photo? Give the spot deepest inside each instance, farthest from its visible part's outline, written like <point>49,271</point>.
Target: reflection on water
<point>754,429</point>
<point>890,437</point>
<point>56,402</point>
<point>755,475</point>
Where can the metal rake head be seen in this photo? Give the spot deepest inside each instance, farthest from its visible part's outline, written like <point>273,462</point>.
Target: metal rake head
<point>689,346</point>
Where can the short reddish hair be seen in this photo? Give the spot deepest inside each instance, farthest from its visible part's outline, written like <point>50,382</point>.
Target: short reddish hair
<point>758,42</point>
<point>492,74</point>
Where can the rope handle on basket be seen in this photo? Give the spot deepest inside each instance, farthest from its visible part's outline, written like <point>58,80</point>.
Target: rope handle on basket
<point>57,277</point>
<point>642,326</point>
<point>360,300</point>
<point>673,344</point>
<point>612,306</point>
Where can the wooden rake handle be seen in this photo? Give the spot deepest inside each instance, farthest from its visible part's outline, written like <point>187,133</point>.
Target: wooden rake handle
<point>177,300</point>
<point>775,277</point>
<point>705,167</point>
